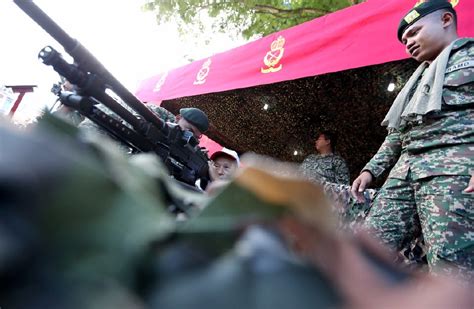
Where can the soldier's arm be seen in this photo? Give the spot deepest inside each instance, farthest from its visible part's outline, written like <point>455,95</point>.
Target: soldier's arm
<point>387,155</point>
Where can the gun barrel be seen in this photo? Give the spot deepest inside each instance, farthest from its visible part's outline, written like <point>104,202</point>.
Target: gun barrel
<point>85,59</point>
<point>51,57</point>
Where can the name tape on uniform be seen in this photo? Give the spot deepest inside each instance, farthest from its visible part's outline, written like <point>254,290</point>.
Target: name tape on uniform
<point>462,65</point>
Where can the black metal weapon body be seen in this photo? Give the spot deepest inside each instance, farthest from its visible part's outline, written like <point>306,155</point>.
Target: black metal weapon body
<point>146,132</point>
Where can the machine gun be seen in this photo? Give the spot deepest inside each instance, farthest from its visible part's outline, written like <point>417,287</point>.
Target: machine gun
<point>146,132</point>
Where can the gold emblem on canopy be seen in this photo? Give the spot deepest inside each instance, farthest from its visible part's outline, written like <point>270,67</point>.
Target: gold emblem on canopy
<point>160,82</point>
<point>273,57</point>
<point>203,72</point>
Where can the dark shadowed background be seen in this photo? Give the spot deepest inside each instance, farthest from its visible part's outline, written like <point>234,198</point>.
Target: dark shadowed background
<point>351,103</point>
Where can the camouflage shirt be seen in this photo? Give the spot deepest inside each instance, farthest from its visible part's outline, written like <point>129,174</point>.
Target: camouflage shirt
<point>443,142</point>
<point>330,168</point>
<point>162,113</point>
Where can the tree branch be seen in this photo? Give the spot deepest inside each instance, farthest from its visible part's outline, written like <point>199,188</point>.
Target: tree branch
<point>213,4</point>
<point>353,2</point>
<point>261,8</point>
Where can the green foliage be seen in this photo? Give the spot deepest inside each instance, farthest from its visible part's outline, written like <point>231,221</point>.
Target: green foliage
<point>248,18</point>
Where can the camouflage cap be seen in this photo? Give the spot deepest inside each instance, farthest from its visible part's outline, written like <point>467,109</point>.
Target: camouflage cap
<point>421,10</point>
<point>196,117</point>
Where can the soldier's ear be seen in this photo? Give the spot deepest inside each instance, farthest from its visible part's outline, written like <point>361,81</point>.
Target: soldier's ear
<point>447,19</point>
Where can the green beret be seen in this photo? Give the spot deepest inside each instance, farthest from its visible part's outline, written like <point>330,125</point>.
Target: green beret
<point>421,10</point>
<point>196,117</point>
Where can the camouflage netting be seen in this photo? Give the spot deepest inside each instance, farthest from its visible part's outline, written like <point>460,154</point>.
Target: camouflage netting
<point>352,103</point>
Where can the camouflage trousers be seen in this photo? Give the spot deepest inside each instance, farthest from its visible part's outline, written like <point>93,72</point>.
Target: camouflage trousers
<point>434,208</point>
<point>352,213</point>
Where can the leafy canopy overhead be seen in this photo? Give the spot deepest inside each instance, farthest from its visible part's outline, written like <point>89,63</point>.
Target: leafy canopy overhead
<point>246,18</point>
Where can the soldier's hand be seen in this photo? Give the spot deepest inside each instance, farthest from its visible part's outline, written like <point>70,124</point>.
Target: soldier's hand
<point>470,186</point>
<point>360,184</point>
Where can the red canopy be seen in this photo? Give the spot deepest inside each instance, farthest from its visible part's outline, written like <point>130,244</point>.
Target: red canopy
<point>361,35</point>
<point>211,145</point>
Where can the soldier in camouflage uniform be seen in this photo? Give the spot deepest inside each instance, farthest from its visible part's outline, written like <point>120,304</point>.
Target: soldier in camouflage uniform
<point>325,165</point>
<point>429,189</point>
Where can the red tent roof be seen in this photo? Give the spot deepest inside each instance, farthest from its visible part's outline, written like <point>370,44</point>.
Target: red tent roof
<point>361,35</point>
